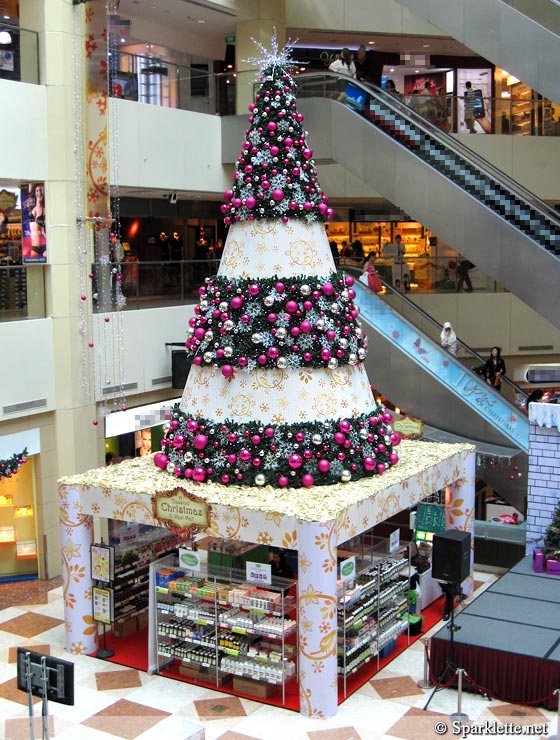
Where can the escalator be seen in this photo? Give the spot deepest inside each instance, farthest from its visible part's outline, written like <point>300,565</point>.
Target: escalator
<point>504,229</point>
<point>522,36</point>
<point>407,364</point>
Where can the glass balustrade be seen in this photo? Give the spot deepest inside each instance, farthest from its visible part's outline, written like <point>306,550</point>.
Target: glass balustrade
<point>19,54</point>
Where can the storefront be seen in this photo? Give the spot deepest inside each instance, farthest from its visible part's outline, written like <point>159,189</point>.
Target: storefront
<point>314,524</point>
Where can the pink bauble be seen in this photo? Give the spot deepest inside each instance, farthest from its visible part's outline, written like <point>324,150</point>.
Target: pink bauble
<point>305,327</point>
<point>173,425</point>
<point>295,461</point>
<point>331,335</point>
<point>228,195</point>
<point>307,206</point>
<point>328,289</point>
<point>369,463</point>
<point>339,438</point>
<point>261,359</point>
<point>285,219</point>
<point>393,458</point>
<point>288,142</point>
<point>232,459</point>
<point>395,439</point>
<point>307,480</point>
<point>344,426</point>
<point>200,441</point>
<point>244,454</point>
<point>197,360</point>
<point>232,437</point>
<point>225,479</point>
<point>271,126</point>
<point>381,447</point>
<point>253,289</point>
<point>307,153</point>
<point>324,466</point>
<point>351,293</point>
<point>265,184</point>
<point>380,468</point>
<point>277,195</point>
<point>192,425</point>
<point>161,460</point>
<point>279,287</point>
<point>273,353</point>
<point>283,481</point>
<point>178,440</point>
<point>291,306</point>
<point>274,150</point>
<point>269,432</point>
<point>307,356</point>
<point>236,302</point>
<point>325,354</point>
<point>387,417</point>
<point>271,318</point>
<point>199,474</point>
<point>250,202</point>
<point>295,331</point>
<point>227,371</point>
<point>242,362</point>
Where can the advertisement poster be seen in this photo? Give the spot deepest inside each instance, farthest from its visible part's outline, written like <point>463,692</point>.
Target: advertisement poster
<point>103,605</point>
<point>102,563</point>
<point>481,87</point>
<point>33,223</point>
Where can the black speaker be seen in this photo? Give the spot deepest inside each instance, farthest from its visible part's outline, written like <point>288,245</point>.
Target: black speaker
<point>180,366</point>
<point>451,556</point>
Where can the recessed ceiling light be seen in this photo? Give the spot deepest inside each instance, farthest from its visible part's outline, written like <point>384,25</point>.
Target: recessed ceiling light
<point>201,21</point>
<point>425,46</point>
<point>122,41</point>
<point>6,17</point>
<point>371,43</point>
<point>392,69</point>
<point>416,71</point>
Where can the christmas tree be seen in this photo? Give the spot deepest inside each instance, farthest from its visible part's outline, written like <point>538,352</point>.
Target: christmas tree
<point>552,540</point>
<point>277,394</point>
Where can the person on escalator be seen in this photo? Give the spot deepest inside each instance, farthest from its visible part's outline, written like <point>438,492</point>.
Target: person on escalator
<point>495,368</point>
<point>448,339</point>
<point>344,65</point>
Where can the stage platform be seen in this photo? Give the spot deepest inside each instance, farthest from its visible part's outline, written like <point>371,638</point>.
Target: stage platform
<point>509,638</point>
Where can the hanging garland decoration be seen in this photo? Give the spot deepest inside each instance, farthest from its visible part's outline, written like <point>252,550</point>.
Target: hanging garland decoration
<point>297,455</point>
<point>276,323</point>
<point>10,467</point>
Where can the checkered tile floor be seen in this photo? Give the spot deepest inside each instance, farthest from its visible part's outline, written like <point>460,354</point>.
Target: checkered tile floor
<point>112,702</point>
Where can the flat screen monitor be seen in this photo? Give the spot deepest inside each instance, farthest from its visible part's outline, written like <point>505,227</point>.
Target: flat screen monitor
<point>355,97</point>
<point>124,85</point>
<point>59,674</point>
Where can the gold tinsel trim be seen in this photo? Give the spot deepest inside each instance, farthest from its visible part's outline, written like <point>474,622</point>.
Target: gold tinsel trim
<point>319,503</point>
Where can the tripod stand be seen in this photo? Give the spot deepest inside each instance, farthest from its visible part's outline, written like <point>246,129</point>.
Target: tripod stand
<point>450,590</point>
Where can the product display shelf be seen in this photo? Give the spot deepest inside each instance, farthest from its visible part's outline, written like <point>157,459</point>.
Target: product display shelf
<point>370,611</point>
<point>131,583</point>
<point>212,626</point>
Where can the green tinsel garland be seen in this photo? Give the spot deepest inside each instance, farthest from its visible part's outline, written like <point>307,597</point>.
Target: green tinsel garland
<point>12,465</point>
<point>295,455</point>
<point>299,321</point>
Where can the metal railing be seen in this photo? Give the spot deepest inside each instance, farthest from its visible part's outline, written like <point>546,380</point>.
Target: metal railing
<point>406,308</point>
<point>19,54</point>
<point>22,292</point>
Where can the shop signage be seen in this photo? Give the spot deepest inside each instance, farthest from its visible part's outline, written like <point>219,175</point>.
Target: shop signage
<point>8,201</point>
<point>259,573</point>
<point>180,510</point>
<point>348,569</point>
<point>430,518</point>
<point>408,426</point>
<point>189,559</point>
<point>394,541</point>
<point>229,38</point>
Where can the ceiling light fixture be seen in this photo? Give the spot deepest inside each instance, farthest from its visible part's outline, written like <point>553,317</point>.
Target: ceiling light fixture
<point>5,37</point>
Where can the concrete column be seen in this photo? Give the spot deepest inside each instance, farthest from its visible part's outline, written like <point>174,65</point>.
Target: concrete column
<point>271,14</point>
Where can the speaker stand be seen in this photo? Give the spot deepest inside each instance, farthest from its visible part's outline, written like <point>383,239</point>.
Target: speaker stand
<point>449,668</point>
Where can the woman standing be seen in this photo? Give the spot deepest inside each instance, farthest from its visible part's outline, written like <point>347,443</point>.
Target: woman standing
<point>448,339</point>
<point>494,368</point>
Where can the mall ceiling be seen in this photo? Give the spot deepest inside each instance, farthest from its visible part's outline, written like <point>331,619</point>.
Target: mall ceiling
<point>207,19</point>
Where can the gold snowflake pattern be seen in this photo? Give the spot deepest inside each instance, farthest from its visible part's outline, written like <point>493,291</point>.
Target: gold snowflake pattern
<point>305,375</point>
<point>318,666</point>
<point>71,550</point>
<point>275,517</point>
<point>284,403</point>
<point>278,419</point>
<point>264,538</point>
<point>306,625</point>
<point>264,407</point>
<point>78,648</point>
<point>324,627</point>
<point>304,563</point>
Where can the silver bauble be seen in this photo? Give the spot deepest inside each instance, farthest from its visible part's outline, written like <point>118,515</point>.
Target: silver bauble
<point>345,476</point>
<point>228,351</point>
<point>343,343</point>
<point>228,325</point>
<point>281,363</point>
<point>333,363</point>
<point>207,357</point>
<point>305,290</point>
<point>256,338</point>
<point>223,306</point>
<point>352,359</point>
<point>268,300</point>
<point>281,334</point>
<point>317,439</point>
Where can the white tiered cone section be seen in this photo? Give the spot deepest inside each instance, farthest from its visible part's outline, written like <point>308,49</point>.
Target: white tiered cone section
<point>277,395</point>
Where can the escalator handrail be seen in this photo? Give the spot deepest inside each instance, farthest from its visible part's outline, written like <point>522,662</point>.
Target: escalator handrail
<point>356,272</point>
<point>471,158</point>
